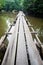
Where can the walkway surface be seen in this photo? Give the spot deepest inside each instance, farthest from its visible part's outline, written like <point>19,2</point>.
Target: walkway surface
<point>21,49</point>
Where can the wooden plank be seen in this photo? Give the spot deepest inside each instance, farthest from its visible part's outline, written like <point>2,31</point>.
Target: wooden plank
<point>12,24</point>
<point>34,32</point>
<point>35,35</point>
<point>5,35</point>
<point>18,42</point>
<point>21,50</point>
<point>30,25</point>
<point>2,39</point>
<point>32,50</point>
<point>10,52</point>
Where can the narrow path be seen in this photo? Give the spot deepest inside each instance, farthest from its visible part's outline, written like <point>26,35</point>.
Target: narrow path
<point>21,49</point>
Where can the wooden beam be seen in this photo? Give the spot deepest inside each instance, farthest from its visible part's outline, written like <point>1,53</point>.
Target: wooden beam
<point>30,25</point>
<point>35,35</point>
<point>9,57</point>
<point>12,24</point>
<point>8,33</point>
<point>34,32</point>
<point>34,56</point>
<point>21,50</point>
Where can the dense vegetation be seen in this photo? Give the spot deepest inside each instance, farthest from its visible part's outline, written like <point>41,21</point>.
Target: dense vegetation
<point>29,6</point>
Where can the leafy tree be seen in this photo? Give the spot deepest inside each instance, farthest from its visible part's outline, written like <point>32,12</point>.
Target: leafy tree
<point>34,6</point>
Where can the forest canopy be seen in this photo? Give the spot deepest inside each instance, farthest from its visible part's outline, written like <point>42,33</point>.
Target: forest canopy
<point>29,6</point>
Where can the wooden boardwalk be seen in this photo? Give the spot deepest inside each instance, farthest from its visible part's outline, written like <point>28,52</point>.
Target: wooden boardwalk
<point>21,49</point>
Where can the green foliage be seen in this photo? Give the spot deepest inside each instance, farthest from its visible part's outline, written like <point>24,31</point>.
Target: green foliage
<point>35,6</point>
<point>9,6</point>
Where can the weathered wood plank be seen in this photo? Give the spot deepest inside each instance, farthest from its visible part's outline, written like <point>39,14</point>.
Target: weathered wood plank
<point>16,51</point>
<point>2,39</point>
<point>10,52</point>
<point>21,50</point>
<point>32,50</point>
<point>35,35</point>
